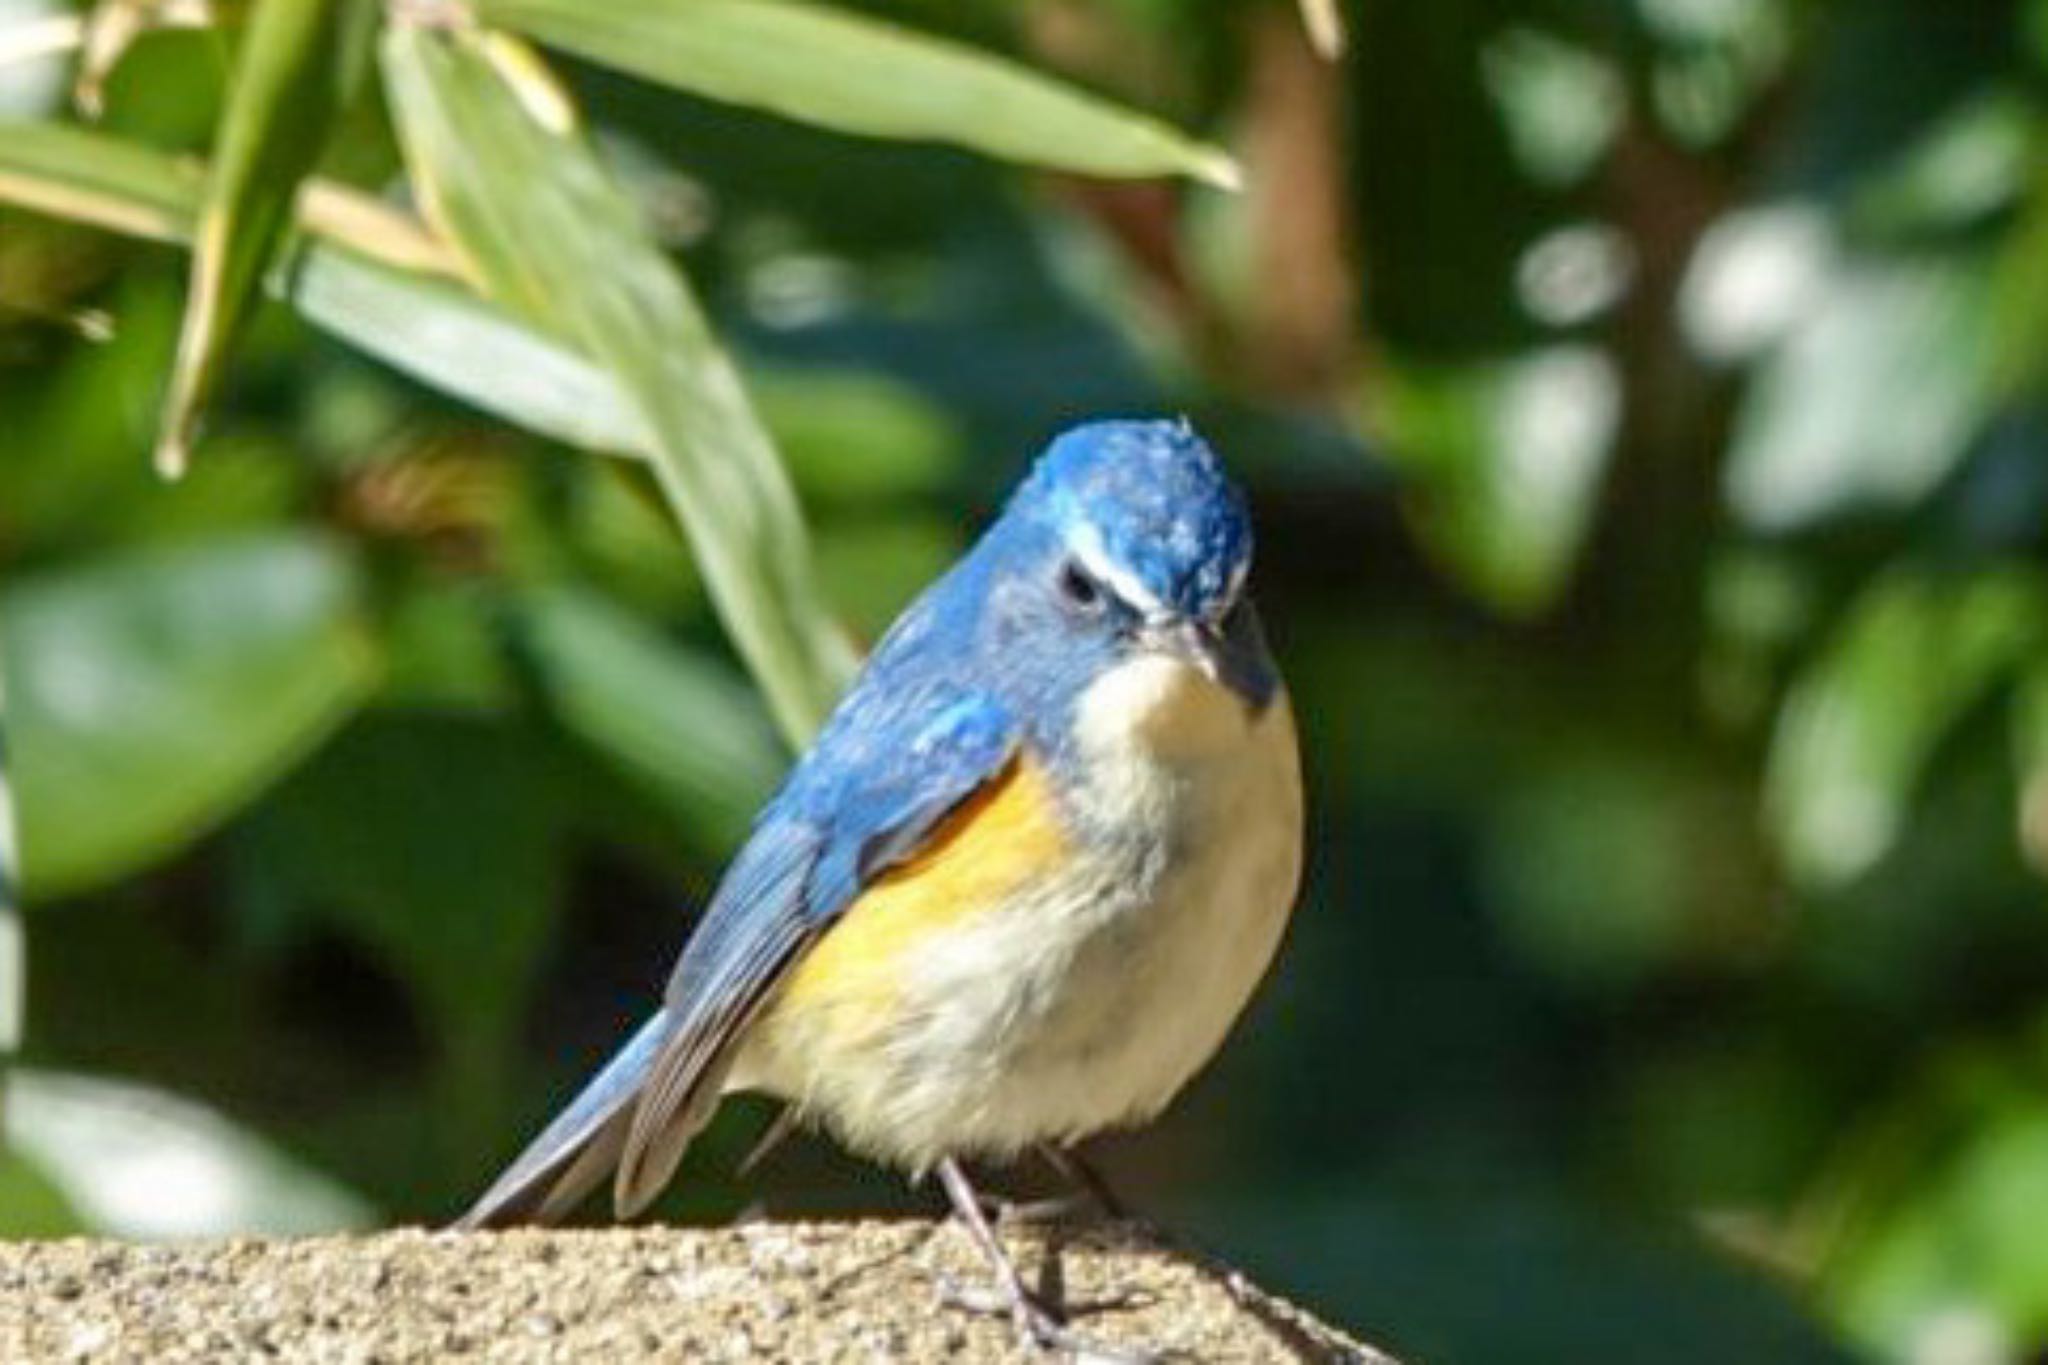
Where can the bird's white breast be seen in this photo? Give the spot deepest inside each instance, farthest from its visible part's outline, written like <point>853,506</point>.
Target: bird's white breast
<point>1088,999</point>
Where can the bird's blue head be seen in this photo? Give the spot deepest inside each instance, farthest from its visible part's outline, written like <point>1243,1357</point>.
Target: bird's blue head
<point>1147,511</point>
<point>1129,537</point>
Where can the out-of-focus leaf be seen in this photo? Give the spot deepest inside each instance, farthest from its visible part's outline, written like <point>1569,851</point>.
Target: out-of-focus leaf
<point>1561,105</point>
<point>439,842</point>
<point>679,726</point>
<point>372,281</point>
<point>857,75</point>
<point>1972,163</point>
<point>2030,761</point>
<point>494,147</point>
<point>2021,291</point>
<point>31,1206</point>
<point>857,436</point>
<point>1755,276</point>
<point>1811,440</point>
<point>111,26</point>
<point>13,951</point>
<point>1858,728</point>
<point>1929,1220</point>
<point>109,182</point>
<point>152,694</point>
<point>286,91</point>
<point>1504,464</point>
<point>137,1162</point>
<point>449,339</point>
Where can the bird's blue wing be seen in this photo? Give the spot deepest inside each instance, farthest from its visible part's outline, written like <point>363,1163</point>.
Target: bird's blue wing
<point>897,757</point>
<point>866,798</point>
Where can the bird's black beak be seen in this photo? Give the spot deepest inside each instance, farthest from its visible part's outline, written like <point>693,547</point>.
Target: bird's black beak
<point>1231,653</point>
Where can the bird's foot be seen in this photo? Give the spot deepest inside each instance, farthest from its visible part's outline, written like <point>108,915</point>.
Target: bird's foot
<point>1039,1327</point>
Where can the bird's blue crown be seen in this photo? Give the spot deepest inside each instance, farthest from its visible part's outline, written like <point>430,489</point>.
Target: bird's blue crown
<point>1152,502</point>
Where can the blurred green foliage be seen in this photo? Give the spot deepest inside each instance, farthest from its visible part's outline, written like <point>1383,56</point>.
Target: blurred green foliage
<point>1646,407</point>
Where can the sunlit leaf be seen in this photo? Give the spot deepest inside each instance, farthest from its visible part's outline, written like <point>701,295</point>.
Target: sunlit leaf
<point>370,277</point>
<point>449,339</point>
<point>109,182</point>
<point>855,74</point>
<point>153,693</point>
<point>1811,441</point>
<point>90,177</point>
<point>1928,1219</point>
<point>507,174</point>
<point>1859,727</point>
<point>1504,464</point>
<point>136,1162</point>
<point>685,731</point>
<point>285,93</point>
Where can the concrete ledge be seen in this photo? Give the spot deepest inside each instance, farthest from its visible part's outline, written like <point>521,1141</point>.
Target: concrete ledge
<point>760,1292</point>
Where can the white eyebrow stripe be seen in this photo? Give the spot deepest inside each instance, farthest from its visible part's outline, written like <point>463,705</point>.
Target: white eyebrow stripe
<point>1235,586</point>
<point>1087,547</point>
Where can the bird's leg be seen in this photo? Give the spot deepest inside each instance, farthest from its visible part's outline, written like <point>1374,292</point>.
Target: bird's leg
<point>1037,1325</point>
<point>1077,1171</point>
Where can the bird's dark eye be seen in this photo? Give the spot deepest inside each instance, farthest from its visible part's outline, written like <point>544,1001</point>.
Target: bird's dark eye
<point>1078,588</point>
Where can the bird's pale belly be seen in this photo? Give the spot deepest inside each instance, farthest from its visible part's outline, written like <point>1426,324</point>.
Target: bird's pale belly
<point>1064,975</point>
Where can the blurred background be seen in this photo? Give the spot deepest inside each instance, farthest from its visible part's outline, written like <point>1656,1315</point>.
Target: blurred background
<point>1645,408</point>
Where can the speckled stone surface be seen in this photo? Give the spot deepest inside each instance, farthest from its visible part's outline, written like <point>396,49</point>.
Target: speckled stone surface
<point>868,1292</point>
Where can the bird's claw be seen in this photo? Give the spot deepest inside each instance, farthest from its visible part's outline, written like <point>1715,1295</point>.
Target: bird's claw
<point>1039,1328</point>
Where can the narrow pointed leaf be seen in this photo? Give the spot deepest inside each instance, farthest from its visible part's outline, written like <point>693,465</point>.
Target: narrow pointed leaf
<point>83,176</point>
<point>511,181</point>
<point>369,276</point>
<point>448,338</point>
<point>287,89</point>
<point>858,75</point>
<point>88,177</point>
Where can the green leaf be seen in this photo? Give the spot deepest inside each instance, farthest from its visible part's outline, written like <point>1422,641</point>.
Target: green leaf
<point>31,1205</point>
<point>358,280</point>
<point>1810,442</point>
<point>106,1146</point>
<point>1504,464</point>
<point>1929,1215</point>
<point>689,735</point>
<point>111,183</point>
<point>288,86</point>
<point>75,174</point>
<point>2020,288</point>
<point>498,159</point>
<point>1858,729</point>
<point>13,949</point>
<point>152,694</point>
<point>857,75</point>
<point>438,840</point>
<point>451,340</point>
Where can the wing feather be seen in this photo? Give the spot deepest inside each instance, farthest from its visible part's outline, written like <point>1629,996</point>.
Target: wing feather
<point>833,831</point>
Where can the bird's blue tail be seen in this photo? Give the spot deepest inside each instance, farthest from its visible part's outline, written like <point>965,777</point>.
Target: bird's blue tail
<point>580,1147</point>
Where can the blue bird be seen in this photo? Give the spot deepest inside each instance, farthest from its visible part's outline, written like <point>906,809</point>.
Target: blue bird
<point>1022,883</point>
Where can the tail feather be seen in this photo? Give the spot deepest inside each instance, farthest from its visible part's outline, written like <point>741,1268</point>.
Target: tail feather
<point>580,1147</point>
